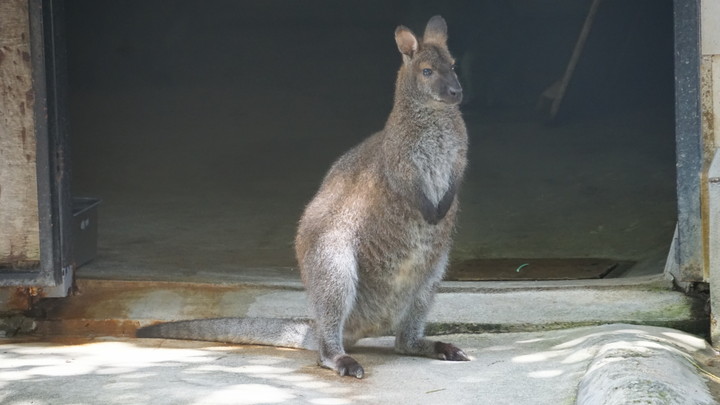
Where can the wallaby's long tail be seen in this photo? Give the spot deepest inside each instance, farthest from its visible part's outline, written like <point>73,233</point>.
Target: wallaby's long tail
<point>294,333</point>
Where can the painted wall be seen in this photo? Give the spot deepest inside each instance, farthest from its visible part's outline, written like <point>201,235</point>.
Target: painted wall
<point>710,48</point>
<point>710,23</point>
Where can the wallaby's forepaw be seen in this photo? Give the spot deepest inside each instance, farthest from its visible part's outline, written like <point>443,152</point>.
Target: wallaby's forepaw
<point>450,352</point>
<point>346,365</point>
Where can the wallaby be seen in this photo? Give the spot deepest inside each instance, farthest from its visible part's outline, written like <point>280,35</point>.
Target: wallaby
<point>373,243</point>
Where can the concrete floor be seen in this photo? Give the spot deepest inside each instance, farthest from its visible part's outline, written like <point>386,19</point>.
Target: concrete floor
<point>610,365</point>
<point>206,143</point>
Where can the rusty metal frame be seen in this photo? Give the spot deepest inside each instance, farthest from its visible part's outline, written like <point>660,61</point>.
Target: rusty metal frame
<point>55,273</point>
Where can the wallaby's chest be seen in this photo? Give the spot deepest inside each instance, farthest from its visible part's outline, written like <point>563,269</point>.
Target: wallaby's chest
<point>435,155</point>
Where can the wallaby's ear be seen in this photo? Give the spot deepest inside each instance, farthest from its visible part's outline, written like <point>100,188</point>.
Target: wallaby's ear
<point>436,31</point>
<point>406,41</point>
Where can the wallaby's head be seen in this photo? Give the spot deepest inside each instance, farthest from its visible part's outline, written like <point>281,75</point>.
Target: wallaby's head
<point>428,71</point>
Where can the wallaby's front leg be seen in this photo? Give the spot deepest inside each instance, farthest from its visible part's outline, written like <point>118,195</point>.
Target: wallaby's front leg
<point>410,338</point>
<point>331,285</point>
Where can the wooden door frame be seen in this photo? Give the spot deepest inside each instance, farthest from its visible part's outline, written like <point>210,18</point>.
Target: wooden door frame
<point>49,76</point>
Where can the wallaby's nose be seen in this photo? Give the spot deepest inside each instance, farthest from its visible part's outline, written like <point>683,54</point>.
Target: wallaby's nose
<point>455,93</point>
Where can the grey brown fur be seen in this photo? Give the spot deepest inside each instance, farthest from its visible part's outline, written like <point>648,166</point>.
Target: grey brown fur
<point>373,243</point>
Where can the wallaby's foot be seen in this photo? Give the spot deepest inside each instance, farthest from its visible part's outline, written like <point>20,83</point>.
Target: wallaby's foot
<point>344,365</point>
<point>450,352</point>
<point>347,366</point>
<point>429,348</point>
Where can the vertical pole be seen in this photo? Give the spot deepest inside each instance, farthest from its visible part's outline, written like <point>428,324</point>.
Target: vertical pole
<point>688,137</point>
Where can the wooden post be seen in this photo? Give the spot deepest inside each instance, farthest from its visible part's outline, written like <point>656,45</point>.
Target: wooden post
<point>19,229</point>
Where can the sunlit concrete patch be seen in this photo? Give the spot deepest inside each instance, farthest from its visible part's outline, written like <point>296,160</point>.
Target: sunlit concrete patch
<point>541,356</point>
<point>163,372</point>
<point>545,373</point>
<point>491,376</point>
<point>547,367</point>
<point>241,394</point>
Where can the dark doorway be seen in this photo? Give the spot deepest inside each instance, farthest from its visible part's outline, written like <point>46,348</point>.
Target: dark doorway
<point>205,126</point>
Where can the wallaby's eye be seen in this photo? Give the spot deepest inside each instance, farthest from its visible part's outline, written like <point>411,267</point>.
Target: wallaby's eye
<point>427,72</point>
<point>452,67</point>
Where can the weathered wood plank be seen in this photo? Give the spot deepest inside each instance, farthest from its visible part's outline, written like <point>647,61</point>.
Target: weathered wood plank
<point>19,231</point>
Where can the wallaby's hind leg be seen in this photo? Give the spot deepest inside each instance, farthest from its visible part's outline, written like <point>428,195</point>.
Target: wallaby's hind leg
<point>410,338</point>
<point>331,280</point>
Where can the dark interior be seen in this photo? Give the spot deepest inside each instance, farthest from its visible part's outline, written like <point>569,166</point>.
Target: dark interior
<point>206,126</point>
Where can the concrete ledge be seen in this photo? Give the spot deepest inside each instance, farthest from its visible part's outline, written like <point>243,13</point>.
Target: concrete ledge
<point>117,308</point>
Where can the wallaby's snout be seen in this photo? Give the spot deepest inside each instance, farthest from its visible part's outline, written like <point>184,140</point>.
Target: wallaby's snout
<point>454,91</point>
